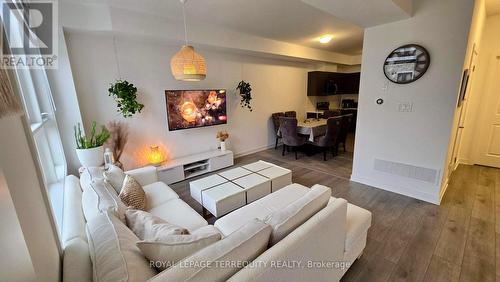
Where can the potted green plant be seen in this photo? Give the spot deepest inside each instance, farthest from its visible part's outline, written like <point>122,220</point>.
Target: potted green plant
<point>125,95</point>
<point>245,94</point>
<point>90,150</point>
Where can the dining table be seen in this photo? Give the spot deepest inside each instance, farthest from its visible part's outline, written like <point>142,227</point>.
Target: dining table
<point>312,128</point>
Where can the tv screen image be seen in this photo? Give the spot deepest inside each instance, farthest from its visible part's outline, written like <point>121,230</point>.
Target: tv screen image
<point>195,108</point>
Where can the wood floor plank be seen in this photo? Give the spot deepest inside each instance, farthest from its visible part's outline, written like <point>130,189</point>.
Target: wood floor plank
<point>442,270</point>
<point>453,237</point>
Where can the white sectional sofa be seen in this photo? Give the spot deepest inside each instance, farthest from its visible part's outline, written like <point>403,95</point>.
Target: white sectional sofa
<point>322,248</point>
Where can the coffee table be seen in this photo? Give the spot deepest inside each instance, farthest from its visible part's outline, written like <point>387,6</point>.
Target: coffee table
<point>229,190</point>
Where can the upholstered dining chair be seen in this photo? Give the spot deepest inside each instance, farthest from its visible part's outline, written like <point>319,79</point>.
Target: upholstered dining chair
<point>344,130</point>
<point>276,122</point>
<point>331,113</point>
<point>329,140</point>
<point>291,114</point>
<point>289,134</point>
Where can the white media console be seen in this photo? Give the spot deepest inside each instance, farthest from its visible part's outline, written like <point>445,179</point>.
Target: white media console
<point>194,165</point>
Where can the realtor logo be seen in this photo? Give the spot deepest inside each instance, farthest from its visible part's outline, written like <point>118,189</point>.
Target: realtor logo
<point>30,34</point>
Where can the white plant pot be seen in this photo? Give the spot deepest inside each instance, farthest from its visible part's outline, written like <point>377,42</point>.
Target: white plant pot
<point>223,146</point>
<point>91,157</point>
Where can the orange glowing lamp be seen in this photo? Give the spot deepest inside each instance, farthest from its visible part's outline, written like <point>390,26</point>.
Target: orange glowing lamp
<point>155,156</point>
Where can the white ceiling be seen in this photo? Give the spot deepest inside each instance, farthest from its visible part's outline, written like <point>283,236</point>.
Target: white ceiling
<point>290,21</point>
<point>492,7</point>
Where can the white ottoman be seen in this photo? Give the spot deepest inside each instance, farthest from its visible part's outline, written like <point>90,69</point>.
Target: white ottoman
<point>280,177</point>
<point>234,173</point>
<point>223,198</point>
<point>255,186</point>
<point>258,166</point>
<point>198,186</point>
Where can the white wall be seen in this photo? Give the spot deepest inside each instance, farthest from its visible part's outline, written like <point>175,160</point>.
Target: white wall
<point>421,137</point>
<point>490,43</point>
<point>277,86</point>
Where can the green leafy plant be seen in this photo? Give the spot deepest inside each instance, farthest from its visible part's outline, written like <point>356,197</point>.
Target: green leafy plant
<point>125,95</point>
<point>246,94</point>
<point>95,140</point>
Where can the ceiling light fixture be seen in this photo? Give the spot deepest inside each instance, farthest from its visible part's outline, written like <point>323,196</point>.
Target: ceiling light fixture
<point>325,39</point>
<point>187,65</point>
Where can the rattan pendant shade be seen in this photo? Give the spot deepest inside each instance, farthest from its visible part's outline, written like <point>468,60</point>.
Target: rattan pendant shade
<point>187,65</point>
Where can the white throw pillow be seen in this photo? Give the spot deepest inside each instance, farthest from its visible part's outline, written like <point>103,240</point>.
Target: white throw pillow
<point>113,252</point>
<point>149,227</point>
<point>114,176</point>
<point>284,221</point>
<point>99,198</point>
<point>168,250</point>
<point>240,247</point>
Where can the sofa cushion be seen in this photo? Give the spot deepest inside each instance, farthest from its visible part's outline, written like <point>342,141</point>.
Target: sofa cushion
<point>90,174</point>
<point>99,198</point>
<point>284,221</point>
<point>241,246</point>
<point>177,212</point>
<point>358,220</point>
<point>168,250</point>
<point>114,176</point>
<point>158,193</point>
<point>132,194</point>
<point>77,266</point>
<point>73,221</point>
<point>113,252</point>
<point>261,208</point>
<point>149,227</point>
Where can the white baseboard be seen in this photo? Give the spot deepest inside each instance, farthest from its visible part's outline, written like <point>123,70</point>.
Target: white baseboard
<point>253,151</point>
<point>427,197</point>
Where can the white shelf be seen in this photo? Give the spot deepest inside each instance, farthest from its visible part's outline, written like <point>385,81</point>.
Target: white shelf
<point>190,167</point>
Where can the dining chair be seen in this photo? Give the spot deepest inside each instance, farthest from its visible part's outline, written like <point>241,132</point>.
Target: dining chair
<point>291,114</point>
<point>331,113</point>
<point>276,123</point>
<point>290,135</point>
<point>344,130</point>
<point>329,140</point>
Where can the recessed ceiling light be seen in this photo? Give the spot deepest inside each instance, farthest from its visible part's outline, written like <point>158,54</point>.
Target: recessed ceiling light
<point>325,39</point>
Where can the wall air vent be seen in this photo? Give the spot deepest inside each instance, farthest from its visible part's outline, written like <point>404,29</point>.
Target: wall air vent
<point>409,171</point>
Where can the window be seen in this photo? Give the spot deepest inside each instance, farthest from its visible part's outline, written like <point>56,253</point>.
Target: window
<point>40,110</point>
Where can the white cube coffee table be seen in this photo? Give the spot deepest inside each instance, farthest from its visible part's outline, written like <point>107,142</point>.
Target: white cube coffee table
<point>258,166</point>
<point>279,176</point>
<point>198,186</point>
<point>223,198</point>
<point>235,173</point>
<point>255,186</point>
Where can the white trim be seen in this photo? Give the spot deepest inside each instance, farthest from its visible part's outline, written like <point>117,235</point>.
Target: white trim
<point>253,151</point>
<point>427,197</point>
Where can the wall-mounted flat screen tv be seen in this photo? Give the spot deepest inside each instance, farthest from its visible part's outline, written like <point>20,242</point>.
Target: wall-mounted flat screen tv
<point>195,108</point>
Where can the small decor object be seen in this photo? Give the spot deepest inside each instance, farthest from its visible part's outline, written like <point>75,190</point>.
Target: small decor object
<point>406,64</point>
<point>108,158</point>
<point>155,155</point>
<point>222,136</point>
<point>90,151</point>
<point>118,140</point>
<point>187,65</point>
<point>245,93</point>
<point>125,95</point>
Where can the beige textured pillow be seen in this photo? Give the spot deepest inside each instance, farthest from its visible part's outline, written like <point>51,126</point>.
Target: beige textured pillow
<point>115,177</point>
<point>209,264</point>
<point>284,221</point>
<point>149,227</point>
<point>170,249</point>
<point>132,194</point>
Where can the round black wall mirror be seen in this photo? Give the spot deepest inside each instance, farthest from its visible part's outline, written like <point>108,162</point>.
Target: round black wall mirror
<point>406,63</point>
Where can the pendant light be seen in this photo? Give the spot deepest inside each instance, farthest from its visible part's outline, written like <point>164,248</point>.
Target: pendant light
<point>187,65</point>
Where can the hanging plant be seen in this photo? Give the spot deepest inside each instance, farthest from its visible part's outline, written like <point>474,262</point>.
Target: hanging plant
<point>246,94</point>
<point>125,95</point>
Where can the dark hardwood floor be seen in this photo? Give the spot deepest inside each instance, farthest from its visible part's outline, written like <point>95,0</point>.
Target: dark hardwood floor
<point>409,240</point>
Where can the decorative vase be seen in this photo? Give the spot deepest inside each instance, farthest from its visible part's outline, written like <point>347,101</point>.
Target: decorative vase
<point>91,157</point>
<point>223,146</point>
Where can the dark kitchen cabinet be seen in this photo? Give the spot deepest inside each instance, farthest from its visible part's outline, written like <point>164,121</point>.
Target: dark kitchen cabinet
<point>321,83</point>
